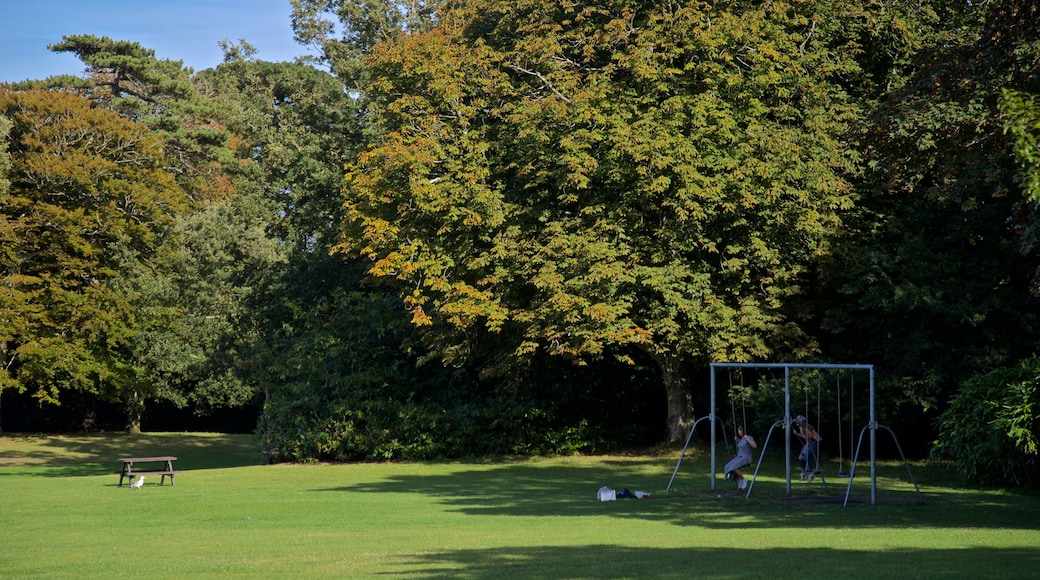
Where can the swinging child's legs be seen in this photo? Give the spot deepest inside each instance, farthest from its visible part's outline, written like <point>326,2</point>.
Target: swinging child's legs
<point>732,470</point>
<point>807,461</point>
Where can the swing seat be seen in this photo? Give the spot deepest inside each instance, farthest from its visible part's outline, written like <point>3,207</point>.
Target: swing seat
<point>841,468</point>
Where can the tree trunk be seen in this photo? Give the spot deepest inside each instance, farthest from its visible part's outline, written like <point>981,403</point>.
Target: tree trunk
<point>677,391</point>
<point>134,410</point>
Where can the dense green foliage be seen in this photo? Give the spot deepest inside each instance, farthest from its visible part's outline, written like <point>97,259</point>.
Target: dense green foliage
<point>577,180</point>
<point>191,295</point>
<point>990,429</point>
<point>347,385</point>
<point>89,195</point>
<point>1022,110</point>
<point>526,227</point>
<point>935,256</point>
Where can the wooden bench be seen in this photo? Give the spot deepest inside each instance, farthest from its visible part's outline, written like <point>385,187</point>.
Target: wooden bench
<point>165,468</point>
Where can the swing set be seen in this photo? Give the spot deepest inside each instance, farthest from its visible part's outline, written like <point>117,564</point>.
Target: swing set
<point>786,422</point>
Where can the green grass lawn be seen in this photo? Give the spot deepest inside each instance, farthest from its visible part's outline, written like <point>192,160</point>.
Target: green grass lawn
<point>228,516</point>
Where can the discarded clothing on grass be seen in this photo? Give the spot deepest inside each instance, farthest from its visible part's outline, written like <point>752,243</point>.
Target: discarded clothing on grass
<point>607,494</point>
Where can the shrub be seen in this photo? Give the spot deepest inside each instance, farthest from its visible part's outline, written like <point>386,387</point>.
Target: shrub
<point>990,430</point>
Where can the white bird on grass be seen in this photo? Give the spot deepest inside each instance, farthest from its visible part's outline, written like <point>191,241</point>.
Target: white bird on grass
<point>137,484</point>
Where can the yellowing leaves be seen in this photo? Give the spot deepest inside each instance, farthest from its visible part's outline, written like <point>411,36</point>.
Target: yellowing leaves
<point>604,176</point>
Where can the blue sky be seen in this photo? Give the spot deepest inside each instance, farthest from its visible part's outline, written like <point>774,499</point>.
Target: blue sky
<point>185,30</point>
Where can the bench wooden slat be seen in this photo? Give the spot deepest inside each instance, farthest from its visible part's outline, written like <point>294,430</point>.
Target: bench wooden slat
<point>156,471</point>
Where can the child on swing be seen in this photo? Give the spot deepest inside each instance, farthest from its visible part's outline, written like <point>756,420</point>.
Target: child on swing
<point>808,456</point>
<point>745,443</point>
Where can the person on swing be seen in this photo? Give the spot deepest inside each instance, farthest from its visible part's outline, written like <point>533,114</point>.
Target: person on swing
<point>808,456</point>
<point>745,443</point>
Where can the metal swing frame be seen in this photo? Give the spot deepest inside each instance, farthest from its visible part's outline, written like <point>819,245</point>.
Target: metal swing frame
<point>872,426</point>
<point>852,416</point>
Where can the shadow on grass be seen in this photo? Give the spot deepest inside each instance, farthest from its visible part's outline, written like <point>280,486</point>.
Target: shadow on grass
<point>570,490</point>
<point>99,453</point>
<point>737,562</point>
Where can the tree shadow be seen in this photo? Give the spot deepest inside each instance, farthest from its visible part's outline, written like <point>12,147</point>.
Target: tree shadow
<point>563,490</point>
<point>611,561</point>
<point>99,453</point>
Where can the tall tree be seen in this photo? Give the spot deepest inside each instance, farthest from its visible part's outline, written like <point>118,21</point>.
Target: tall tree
<point>586,180</point>
<point>88,188</point>
<point>194,297</point>
<point>300,126</point>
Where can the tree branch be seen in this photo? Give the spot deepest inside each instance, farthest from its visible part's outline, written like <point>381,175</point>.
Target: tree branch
<point>544,80</point>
